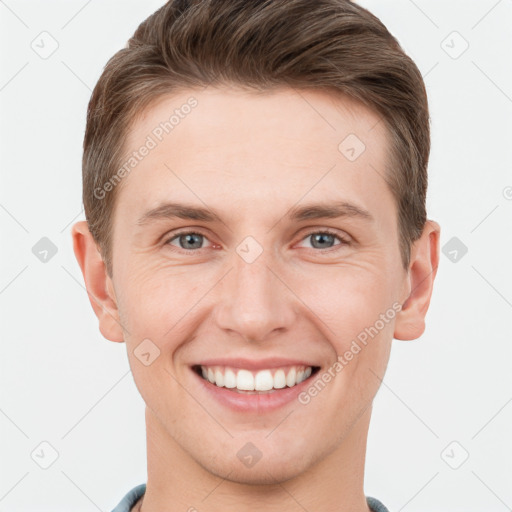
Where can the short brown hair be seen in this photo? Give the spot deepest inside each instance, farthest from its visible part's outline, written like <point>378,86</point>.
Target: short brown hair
<point>331,45</point>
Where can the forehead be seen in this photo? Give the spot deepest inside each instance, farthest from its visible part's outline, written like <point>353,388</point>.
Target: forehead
<point>283,114</point>
<point>232,148</point>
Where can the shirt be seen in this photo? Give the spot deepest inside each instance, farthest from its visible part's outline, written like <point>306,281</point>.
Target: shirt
<point>133,496</point>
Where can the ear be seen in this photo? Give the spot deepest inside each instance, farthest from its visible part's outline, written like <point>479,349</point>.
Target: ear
<point>410,321</point>
<point>99,285</point>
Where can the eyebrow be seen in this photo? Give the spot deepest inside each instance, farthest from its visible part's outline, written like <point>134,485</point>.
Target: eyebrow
<point>328,210</point>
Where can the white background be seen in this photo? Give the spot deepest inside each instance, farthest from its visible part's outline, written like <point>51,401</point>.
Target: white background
<point>62,383</point>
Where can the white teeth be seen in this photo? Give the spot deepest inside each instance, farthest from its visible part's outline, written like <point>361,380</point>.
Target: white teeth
<point>263,380</point>
<point>219,378</point>
<point>229,378</point>
<point>245,380</point>
<point>290,378</point>
<point>279,379</point>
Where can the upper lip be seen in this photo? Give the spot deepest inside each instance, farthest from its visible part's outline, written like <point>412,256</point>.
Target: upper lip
<point>255,364</point>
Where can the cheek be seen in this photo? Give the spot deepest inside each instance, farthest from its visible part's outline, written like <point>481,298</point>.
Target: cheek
<point>358,312</point>
<point>157,302</point>
<point>157,296</point>
<point>347,298</point>
<point>149,290</point>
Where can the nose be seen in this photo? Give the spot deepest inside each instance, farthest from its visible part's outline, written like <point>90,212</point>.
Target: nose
<point>254,301</point>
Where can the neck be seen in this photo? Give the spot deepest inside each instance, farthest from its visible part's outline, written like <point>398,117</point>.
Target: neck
<point>176,482</point>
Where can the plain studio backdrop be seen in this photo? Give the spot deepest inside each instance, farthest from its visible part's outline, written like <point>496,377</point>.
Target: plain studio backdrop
<point>71,419</point>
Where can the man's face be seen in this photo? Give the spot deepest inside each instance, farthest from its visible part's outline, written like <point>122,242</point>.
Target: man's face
<point>259,288</point>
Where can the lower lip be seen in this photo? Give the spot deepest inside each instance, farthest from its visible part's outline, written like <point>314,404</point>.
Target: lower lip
<point>259,403</point>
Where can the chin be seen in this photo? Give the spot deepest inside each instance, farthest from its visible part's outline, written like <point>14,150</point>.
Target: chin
<point>265,474</point>
<point>266,471</point>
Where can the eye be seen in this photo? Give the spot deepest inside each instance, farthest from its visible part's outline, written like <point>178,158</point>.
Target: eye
<point>187,240</point>
<point>193,240</point>
<point>325,239</point>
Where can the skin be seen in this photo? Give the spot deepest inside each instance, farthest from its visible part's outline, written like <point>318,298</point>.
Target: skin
<point>251,158</point>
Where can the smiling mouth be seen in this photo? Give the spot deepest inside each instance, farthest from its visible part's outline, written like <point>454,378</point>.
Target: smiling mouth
<point>265,381</point>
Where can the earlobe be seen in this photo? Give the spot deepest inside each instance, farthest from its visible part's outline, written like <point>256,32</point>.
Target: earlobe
<point>97,282</point>
<point>410,321</point>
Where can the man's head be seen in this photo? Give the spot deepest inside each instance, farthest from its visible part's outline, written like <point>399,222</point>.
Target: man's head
<point>226,146</point>
<point>331,45</point>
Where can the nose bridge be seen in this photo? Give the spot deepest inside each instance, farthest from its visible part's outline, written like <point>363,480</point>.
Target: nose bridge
<point>254,301</point>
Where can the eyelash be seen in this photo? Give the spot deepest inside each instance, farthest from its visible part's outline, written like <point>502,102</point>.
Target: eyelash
<point>326,231</point>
